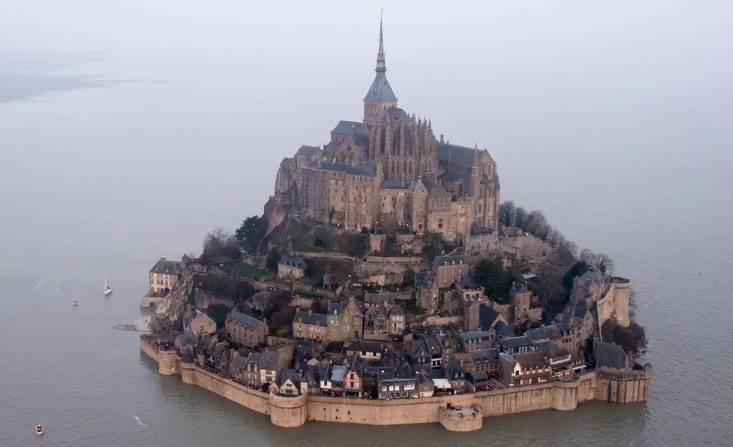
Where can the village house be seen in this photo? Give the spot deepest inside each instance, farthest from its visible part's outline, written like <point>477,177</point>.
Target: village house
<point>201,325</point>
<point>372,375</point>
<point>482,360</point>
<point>289,383</point>
<point>291,268</point>
<point>245,329</point>
<point>345,320</point>
<point>164,275</point>
<point>366,350</point>
<point>261,369</point>
<point>478,380</point>
<point>559,360</point>
<point>456,375</point>
<point>516,345</point>
<point>376,324</point>
<point>396,321</point>
<point>398,388</point>
<point>475,340</point>
<point>310,326</point>
<point>524,369</point>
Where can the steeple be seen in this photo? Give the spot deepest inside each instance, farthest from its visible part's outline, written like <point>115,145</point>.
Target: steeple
<point>380,96</point>
<point>381,62</point>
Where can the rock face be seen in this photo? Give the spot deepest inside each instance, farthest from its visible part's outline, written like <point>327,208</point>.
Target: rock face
<point>169,313</point>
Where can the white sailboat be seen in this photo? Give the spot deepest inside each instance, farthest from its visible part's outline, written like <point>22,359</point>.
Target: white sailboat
<point>107,288</point>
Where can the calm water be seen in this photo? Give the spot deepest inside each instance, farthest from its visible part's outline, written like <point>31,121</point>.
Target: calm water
<point>122,161</point>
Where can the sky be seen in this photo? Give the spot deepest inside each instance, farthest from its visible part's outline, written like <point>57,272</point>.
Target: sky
<point>131,105</point>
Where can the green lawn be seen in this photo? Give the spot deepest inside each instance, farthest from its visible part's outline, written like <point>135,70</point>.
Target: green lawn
<point>245,269</point>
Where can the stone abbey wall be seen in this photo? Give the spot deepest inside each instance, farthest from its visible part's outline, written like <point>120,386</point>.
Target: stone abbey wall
<point>295,411</point>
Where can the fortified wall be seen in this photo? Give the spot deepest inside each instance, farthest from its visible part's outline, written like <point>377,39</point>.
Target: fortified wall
<point>460,412</point>
<point>615,303</point>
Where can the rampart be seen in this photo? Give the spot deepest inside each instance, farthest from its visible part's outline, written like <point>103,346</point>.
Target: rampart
<point>460,412</point>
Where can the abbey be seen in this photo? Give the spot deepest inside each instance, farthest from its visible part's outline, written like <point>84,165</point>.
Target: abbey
<point>389,169</point>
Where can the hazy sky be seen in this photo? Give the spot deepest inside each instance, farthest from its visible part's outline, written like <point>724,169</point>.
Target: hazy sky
<point>203,100</point>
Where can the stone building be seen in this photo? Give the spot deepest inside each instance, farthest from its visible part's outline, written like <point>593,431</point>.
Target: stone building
<point>388,168</point>
<point>396,321</point>
<point>202,325</point>
<point>245,329</point>
<point>164,275</point>
<point>345,320</point>
<point>260,369</point>
<point>524,369</point>
<point>448,270</point>
<point>291,268</point>
<point>398,388</point>
<point>376,323</point>
<point>310,326</point>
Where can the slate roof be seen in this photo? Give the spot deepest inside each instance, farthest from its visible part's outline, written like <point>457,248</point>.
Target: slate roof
<point>456,155</point>
<point>397,113</point>
<point>357,130</point>
<point>380,90</point>
<point>293,261</point>
<point>361,170</point>
<point>467,336</point>
<point>486,317</point>
<point>311,318</point>
<point>307,151</point>
<point>483,356</point>
<point>244,319</point>
<point>395,184</point>
<point>338,372</point>
<point>610,355</point>
<point>515,342</point>
<point>531,360</point>
<point>503,329</point>
<point>365,346</point>
<point>167,267</point>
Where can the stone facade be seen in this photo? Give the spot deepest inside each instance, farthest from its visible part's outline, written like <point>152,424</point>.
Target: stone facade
<point>291,268</point>
<point>245,329</point>
<point>310,326</point>
<point>164,275</point>
<point>388,168</point>
<point>202,325</point>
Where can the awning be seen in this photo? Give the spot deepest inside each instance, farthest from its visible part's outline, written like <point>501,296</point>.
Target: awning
<point>442,384</point>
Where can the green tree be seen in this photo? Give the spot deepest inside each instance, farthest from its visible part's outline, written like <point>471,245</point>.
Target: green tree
<point>218,313</point>
<point>408,279</point>
<point>273,258</point>
<point>496,281</point>
<point>219,247</point>
<point>632,338</point>
<point>433,245</point>
<point>252,232</point>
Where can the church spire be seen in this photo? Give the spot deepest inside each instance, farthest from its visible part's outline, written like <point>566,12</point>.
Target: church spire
<point>381,63</point>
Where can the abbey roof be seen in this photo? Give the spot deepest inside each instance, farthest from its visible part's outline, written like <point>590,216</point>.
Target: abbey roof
<point>380,90</point>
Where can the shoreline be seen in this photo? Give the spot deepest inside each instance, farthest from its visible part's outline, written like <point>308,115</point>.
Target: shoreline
<point>458,412</point>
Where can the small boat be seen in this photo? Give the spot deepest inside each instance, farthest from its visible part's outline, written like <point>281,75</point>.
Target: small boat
<point>107,289</point>
<point>74,303</point>
<point>39,430</point>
